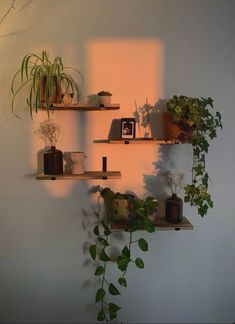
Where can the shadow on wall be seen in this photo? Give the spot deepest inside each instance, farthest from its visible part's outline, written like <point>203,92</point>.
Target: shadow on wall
<point>155,184</point>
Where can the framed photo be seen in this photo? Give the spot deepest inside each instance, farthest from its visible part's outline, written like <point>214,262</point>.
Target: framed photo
<point>128,128</point>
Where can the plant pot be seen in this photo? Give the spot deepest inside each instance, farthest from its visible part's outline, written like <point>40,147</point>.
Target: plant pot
<point>78,159</point>
<point>173,131</point>
<point>53,161</point>
<point>120,209</point>
<point>174,209</point>
<point>104,101</point>
<point>54,97</point>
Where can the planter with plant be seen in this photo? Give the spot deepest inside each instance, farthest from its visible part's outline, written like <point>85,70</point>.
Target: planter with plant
<point>196,115</point>
<point>53,158</point>
<point>104,98</point>
<point>44,80</point>
<point>139,211</point>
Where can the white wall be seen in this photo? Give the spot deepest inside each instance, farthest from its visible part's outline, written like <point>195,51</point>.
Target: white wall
<point>136,49</point>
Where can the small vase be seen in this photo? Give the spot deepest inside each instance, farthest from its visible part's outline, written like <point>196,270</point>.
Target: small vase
<point>174,209</point>
<point>78,159</point>
<point>53,161</point>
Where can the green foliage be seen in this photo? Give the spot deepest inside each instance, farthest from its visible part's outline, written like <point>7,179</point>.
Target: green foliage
<point>140,210</point>
<point>104,93</point>
<point>39,74</point>
<point>195,114</point>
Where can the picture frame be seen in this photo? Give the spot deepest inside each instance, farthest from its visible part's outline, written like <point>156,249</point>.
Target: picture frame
<point>127,128</point>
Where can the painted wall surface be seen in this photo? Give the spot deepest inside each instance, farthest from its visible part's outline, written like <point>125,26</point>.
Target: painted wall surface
<point>137,49</point>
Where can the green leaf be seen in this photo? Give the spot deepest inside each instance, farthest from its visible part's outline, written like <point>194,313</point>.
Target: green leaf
<point>122,263</point>
<point>114,307</point>
<point>92,250</point>
<point>99,295</point>
<point>122,282</point>
<point>99,271</point>
<point>101,316</point>
<point>139,263</point>
<point>103,241</point>
<point>96,230</point>
<point>112,315</point>
<point>126,252</point>
<point>104,256</point>
<point>143,244</point>
<point>149,225</point>
<point>113,290</point>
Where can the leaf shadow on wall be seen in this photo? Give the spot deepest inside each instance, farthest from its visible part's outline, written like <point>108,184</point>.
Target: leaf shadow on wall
<point>155,184</point>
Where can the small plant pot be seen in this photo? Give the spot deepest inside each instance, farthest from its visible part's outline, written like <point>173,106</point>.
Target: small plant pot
<point>174,131</point>
<point>120,209</point>
<point>104,101</point>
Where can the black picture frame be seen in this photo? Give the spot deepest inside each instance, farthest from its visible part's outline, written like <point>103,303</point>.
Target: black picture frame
<point>128,128</point>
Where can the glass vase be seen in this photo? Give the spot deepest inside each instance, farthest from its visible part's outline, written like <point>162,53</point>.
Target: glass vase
<point>53,161</point>
<point>174,209</point>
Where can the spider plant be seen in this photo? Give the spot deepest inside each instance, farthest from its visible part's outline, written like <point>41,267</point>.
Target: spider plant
<point>44,80</point>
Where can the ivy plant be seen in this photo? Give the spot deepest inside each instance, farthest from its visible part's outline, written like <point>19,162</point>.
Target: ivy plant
<point>196,114</point>
<point>140,210</point>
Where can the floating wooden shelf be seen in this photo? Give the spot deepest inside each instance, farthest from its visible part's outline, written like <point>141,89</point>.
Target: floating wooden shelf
<point>81,107</point>
<point>142,141</point>
<point>103,175</point>
<point>160,224</point>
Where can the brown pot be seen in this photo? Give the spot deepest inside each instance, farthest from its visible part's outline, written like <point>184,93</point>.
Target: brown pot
<point>56,97</point>
<point>174,131</point>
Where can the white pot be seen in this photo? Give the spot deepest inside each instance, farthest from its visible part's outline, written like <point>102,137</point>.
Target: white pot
<point>105,100</point>
<point>78,159</point>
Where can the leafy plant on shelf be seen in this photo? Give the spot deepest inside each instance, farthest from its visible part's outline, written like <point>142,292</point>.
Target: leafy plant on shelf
<point>195,114</point>
<point>45,80</point>
<point>139,212</point>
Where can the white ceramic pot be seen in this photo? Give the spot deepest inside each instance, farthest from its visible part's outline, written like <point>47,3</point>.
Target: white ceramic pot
<point>78,159</point>
<point>105,100</point>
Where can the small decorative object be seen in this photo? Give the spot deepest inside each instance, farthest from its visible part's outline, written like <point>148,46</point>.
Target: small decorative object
<point>104,163</point>
<point>104,98</point>
<point>78,159</point>
<point>174,204</point>
<point>44,80</point>
<point>53,158</point>
<point>67,98</point>
<point>128,128</point>
<point>196,115</point>
<point>121,207</point>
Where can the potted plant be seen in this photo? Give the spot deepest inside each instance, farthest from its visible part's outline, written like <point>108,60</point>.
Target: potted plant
<point>195,114</point>
<point>53,158</point>
<point>104,98</point>
<point>139,212</point>
<point>45,81</point>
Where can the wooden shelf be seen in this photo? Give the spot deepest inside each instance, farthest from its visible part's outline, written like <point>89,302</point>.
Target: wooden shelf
<point>160,224</point>
<point>103,175</point>
<point>81,107</point>
<point>142,141</point>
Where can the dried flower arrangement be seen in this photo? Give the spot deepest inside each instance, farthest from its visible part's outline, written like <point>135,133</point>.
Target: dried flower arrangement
<point>174,181</point>
<point>49,131</point>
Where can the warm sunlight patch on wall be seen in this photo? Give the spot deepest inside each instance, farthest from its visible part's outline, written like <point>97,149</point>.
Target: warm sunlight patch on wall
<point>132,70</point>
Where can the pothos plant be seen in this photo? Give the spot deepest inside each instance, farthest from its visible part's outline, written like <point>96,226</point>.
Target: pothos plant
<point>196,114</point>
<point>139,212</point>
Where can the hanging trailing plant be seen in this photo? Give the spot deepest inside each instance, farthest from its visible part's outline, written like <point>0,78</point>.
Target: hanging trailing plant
<point>139,212</point>
<point>195,114</point>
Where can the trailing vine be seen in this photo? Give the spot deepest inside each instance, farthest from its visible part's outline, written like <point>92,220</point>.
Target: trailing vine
<point>193,114</point>
<point>140,210</point>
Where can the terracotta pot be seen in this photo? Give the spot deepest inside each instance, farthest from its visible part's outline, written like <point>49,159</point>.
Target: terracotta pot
<point>173,131</point>
<point>56,97</point>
